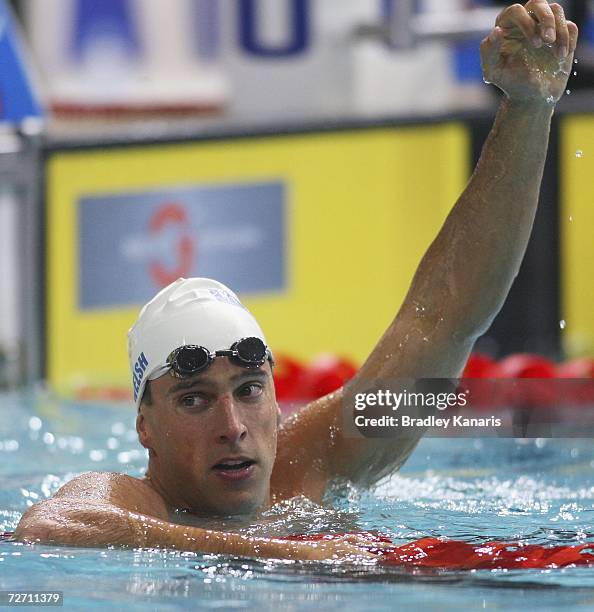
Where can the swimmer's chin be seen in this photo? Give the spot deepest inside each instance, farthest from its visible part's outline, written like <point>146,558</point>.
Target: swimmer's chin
<point>221,519</point>
<point>246,507</point>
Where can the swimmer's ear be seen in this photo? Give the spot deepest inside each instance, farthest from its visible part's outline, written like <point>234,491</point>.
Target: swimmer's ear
<point>141,428</point>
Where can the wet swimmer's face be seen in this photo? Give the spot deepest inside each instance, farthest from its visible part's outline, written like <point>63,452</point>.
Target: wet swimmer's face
<point>212,438</point>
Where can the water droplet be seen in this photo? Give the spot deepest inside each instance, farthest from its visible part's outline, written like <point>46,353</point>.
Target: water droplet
<point>9,445</point>
<point>568,91</point>
<point>579,153</point>
<point>117,429</point>
<point>97,455</point>
<point>575,73</point>
<point>575,61</point>
<point>570,218</point>
<point>562,324</point>
<point>550,100</point>
<point>35,423</point>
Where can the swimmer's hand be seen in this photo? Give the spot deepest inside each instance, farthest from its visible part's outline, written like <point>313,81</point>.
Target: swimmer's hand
<point>529,53</point>
<point>350,547</point>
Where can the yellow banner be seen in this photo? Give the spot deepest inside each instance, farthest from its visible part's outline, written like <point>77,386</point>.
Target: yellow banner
<point>577,235</point>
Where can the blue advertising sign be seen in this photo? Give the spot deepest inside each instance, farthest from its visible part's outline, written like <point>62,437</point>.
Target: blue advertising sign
<point>133,244</point>
<point>18,100</point>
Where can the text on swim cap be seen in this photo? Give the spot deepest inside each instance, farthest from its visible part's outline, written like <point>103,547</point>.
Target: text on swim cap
<point>138,373</point>
<point>224,296</point>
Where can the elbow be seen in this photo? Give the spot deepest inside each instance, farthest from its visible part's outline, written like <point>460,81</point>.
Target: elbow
<point>479,324</point>
<point>484,305</point>
<point>35,528</point>
<point>471,321</point>
<point>49,523</point>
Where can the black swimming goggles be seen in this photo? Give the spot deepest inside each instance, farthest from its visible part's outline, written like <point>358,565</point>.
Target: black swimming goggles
<point>191,359</point>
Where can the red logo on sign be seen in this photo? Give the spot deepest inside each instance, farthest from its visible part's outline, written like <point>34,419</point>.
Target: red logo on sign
<point>172,214</point>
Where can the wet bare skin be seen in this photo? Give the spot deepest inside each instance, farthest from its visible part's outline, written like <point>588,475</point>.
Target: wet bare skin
<point>459,286</point>
<point>224,414</point>
<point>231,411</point>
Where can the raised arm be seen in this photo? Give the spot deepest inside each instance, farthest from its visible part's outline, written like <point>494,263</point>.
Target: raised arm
<point>464,278</point>
<point>468,270</point>
<point>98,509</point>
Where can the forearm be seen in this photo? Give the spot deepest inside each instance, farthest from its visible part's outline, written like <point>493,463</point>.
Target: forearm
<point>112,526</point>
<point>153,533</point>
<point>467,272</point>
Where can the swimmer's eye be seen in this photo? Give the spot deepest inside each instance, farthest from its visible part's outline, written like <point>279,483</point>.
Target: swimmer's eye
<point>250,391</point>
<point>193,400</point>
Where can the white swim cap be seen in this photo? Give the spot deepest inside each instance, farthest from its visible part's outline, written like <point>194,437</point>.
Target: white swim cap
<point>197,311</point>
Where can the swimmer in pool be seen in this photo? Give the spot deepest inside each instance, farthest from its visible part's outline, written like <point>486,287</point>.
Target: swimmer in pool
<point>202,370</point>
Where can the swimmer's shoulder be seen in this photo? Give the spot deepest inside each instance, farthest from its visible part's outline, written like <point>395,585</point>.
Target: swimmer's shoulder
<point>116,489</point>
<point>301,466</point>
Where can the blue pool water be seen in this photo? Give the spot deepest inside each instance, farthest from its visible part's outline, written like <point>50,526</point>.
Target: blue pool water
<point>537,491</point>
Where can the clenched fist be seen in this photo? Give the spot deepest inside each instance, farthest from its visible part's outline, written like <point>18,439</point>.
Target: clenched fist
<point>529,53</point>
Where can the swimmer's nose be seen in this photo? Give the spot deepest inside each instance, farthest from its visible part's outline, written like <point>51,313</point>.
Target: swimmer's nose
<point>230,425</point>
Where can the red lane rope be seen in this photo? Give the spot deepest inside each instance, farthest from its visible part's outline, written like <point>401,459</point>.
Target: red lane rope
<point>455,554</point>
